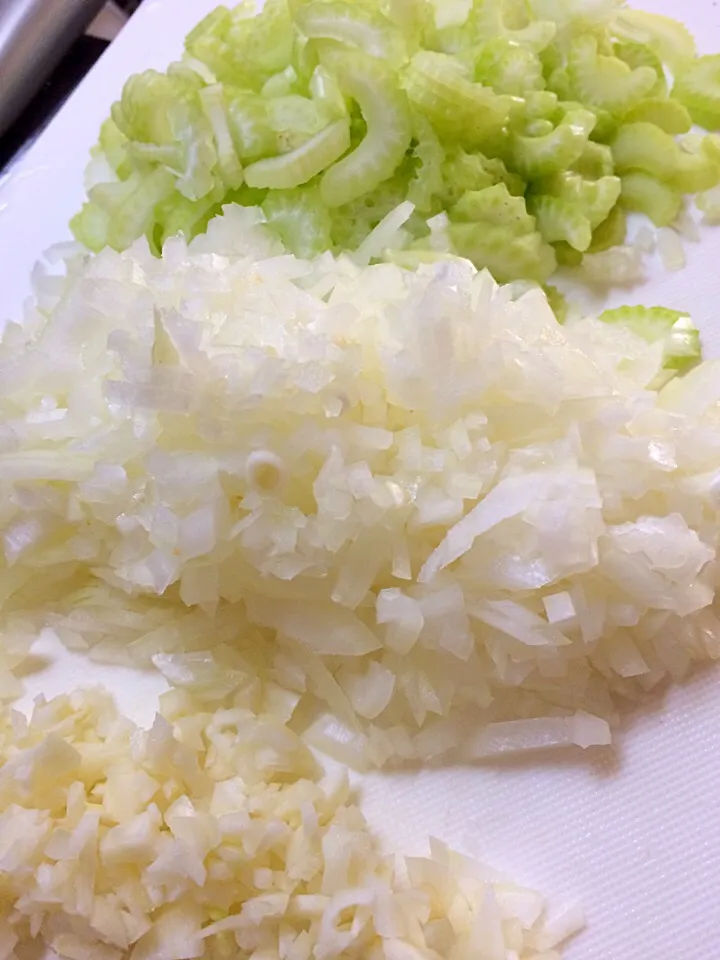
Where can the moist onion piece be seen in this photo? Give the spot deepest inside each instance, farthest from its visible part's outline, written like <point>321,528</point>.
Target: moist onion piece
<point>370,482</point>
<point>213,833</point>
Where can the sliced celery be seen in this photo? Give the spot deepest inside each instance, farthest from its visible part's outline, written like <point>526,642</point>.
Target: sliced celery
<point>610,233</point>
<point>300,219</point>
<point>505,255</point>
<point>496,207</point>
<point>643,193</point>
<point>509,67</point>
<point>541,156</point>
<point>640,55</point>
<point>213,103</point>
<point>669,39</point>
<point>300,165</point>
<point>560,220</point>
<point>249,125</point>
<point>643,146</point>
<point>427,180</point>
<point>697,86</point>
<point>464,111</point>
<point>595,161</point>
<point>670,115</point>
<point>606,82</point>
<point>389,130</point>
<point>352,23</point>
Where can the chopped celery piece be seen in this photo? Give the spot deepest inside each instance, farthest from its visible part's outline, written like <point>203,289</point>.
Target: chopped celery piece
<point>300,219</point>
<point>643,146</point>
<point>606,82</point>
<point>541,156</point>
<point>640,55</point>
<point>611,232</point>
<point>302,164</point>
<point>668,38</point>
<point>566,255</point>
<point>249,125</point>
<point>509,67</point>
<point>670,115</point>
<point>695,172</point>
<point>360,26</point>
<point>214,106</point>
<point>505,255</point>
<point>697,86</point>
<point>560,220</point>
<point>497,18</point>
<point>389,130</point>
<point>427,180</point>
<point>557,301</point>
<point>463,172</point>
<point>682,348</point>
<point>496,207</point>
<point>593,199</point>
<point>439,88</point>
<point>643,193</point>
<point>595,161</point>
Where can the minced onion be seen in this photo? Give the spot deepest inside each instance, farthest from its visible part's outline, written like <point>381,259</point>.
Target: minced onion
<point>410,498</point>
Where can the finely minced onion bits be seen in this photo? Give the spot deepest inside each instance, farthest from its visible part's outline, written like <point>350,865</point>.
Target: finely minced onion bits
<point>412,499</point>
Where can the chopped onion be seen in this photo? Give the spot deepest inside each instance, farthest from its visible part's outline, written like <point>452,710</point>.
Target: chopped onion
<point>403,497</point>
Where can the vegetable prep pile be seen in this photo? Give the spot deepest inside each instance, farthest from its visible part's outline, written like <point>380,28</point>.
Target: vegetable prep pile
<point>528,127</point>
<point>284,437</point>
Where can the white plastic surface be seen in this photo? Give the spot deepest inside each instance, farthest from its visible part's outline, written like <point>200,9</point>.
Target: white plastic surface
<point>634,835</point>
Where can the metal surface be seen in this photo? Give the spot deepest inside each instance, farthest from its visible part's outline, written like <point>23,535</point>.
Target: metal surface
<point>34,36</point>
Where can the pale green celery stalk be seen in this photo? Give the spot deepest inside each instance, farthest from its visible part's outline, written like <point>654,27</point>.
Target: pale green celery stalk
<point>606,82</point>
<point>643,193</point>
<point>354,24</point>
<point>460,110</point>
<point>697,86</point>
<point>560,220</point>
<point>389,130</point>
<point>541,156</point>
<point>300,219</point>
<point>301,165</point>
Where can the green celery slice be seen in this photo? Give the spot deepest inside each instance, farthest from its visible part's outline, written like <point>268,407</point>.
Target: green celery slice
<point>509,67</point>
<point>389,128</point>
<point>542,156</point>
<point>496,207</point>
<point>300,219</point>
<point>505,255</point>
<point>459,109</point>
<point>670,115</point>
<point>604,82</point>
<point>611,232</point>
<point>644,193</point>
<point>643,146</point>
<point>560,220</point>
<point>669,39</point>
<point>352,23</point>
<point>302,164</point>
<point>697,86</point>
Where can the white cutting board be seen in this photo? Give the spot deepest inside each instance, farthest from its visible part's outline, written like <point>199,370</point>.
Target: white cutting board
<point>635,836</point>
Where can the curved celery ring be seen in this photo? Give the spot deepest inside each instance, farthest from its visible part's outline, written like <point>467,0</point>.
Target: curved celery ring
<point>643,193</point>
<point>506,256</point>
<point>542,156</point>
<point>697,86</point>
<point>643,146</point>
<point>640,55</point>
<point>670,115</point>
<point>669,39</point>
<point>496,207</point>
<point>351,23</point>
<point>606,82</point>
<point>302,164</point>
<point>389,129</point>
<point>682,340</point>
<point>508,67</point>
<point>439,88</point>
<point>560,220</point>
<point>611,232</point>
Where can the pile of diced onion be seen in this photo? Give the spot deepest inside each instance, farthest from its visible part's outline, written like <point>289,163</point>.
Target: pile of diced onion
<point>440,521</point>
<point>211,835</point>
